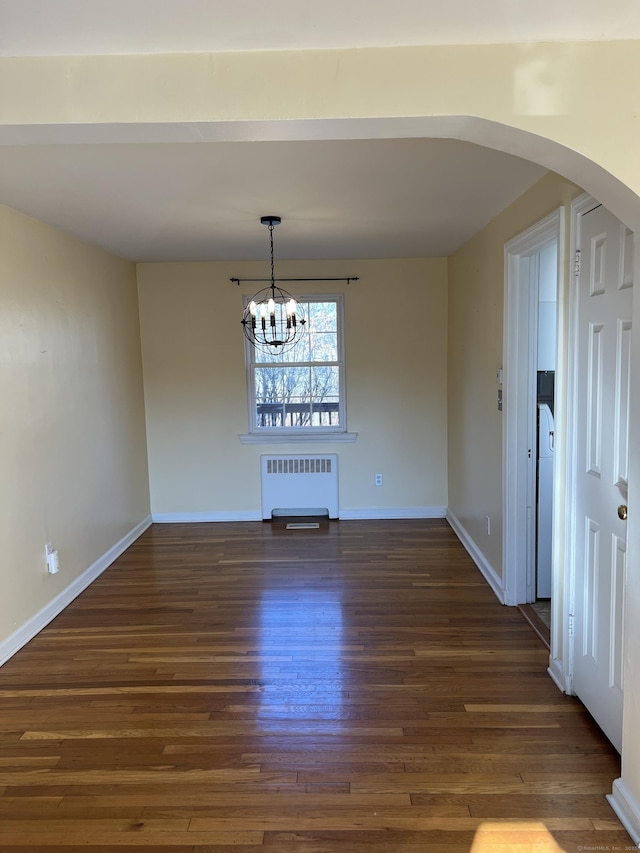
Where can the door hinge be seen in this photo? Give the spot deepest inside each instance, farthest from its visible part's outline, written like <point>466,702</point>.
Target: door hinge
<point>576,264</point>
<point>570,620</point>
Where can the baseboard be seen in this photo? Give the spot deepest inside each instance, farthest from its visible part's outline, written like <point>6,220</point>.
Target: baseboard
<point>33,626</point>
<point>627,808</point>
<point>199,517</point>
<point>487,570</point>
<point>558,676</point>
<point>354,513</point>
<point>381,513</point>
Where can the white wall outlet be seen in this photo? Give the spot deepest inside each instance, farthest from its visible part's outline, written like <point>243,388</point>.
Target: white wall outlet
<point>378,479</point>
<point>53,564</point>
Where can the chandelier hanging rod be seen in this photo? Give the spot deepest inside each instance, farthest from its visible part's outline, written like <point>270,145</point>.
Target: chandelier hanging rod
<point>347,278</point>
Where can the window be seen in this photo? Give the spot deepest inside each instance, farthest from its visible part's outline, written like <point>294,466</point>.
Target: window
<point>301,391</point>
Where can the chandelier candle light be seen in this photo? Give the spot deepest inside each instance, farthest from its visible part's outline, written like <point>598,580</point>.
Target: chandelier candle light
<point>273,321</point>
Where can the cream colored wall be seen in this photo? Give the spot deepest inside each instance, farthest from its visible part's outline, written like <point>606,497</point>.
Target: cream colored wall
<point>195,385</point>
<point>475,350</point>
<point>72,453</point>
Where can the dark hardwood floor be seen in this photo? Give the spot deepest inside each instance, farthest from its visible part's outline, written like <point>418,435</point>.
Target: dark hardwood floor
<point>357,687</point>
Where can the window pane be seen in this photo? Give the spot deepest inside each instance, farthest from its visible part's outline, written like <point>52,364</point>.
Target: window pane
<point>269,392</point>
<point>322,316</point>
<point>325,396</point>
<point>323,346</point>
<point>323,334</point>
<point>300,352</point>
<point>283,396</point>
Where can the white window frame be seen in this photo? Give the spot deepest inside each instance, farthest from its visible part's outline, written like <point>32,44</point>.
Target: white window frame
<point>339,432</point>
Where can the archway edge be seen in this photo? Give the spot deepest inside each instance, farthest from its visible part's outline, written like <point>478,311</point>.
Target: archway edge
<point>552,155</point>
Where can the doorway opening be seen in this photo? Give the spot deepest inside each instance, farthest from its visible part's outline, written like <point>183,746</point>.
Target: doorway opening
<point>543,272</point>
<point>533,264</point>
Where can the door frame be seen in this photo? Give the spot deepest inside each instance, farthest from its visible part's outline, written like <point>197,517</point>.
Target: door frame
<point>579,206</point>
<point>519,438</point>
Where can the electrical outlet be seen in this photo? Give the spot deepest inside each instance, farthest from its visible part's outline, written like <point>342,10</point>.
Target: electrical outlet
<point>53,565</point>
<point>378,479</point>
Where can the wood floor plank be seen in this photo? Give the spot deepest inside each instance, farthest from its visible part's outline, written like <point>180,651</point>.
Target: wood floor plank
<point>231,687</point>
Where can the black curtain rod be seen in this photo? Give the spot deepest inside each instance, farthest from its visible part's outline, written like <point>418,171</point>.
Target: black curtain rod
<point>347,278</point>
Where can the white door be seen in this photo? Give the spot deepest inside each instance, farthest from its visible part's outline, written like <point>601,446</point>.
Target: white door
<point>602,427</point>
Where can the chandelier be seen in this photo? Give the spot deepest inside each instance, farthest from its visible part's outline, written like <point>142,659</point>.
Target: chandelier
<point>273,321</point>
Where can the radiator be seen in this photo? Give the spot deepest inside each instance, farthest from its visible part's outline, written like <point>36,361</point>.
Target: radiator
<point>299,485</point>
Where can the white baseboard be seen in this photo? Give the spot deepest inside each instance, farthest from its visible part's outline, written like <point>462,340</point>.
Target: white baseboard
<point>373,513</point>
<point>33,626</point>
<point>627,808</point>
<point>490,574</point>
<point>558,676</point>
<point>346,514</point>
<point>199,517</point>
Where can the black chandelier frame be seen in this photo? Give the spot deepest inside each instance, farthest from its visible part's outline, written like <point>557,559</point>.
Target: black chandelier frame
<point>272,320</point>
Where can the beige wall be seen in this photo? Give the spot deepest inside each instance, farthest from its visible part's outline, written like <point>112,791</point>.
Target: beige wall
<point>196,399</point>
<point>475,352</point>
<point>72,455</point>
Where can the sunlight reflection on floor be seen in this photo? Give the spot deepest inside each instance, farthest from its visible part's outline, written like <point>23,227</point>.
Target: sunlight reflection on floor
<point>514,837</point>
<point>301,629</point>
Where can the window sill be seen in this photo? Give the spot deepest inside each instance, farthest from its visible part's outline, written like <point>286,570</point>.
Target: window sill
<point>297,438</point>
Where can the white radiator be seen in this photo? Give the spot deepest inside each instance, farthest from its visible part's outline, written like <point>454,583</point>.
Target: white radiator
<point>299,485</point>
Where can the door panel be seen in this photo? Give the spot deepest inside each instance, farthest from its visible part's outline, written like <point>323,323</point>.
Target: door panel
<point>594,400</point>
<point>623,388</point>
<point>603,359</point>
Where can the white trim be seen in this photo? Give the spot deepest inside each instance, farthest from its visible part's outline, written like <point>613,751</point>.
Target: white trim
<point>625,796</point>
<point>389,513</point>
<point>627,808</point>
<point>355,513</point>
<point>517,388</point>
<point>485,567</point>
<point>579,206</point>
<point>558,676</point>
<point>33,626</point>
<point>199,517</point>
<point>318,437</point>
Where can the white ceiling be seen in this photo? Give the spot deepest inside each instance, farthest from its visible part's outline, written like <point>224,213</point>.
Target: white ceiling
<point>344,198</point>
<point>341,199</point>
